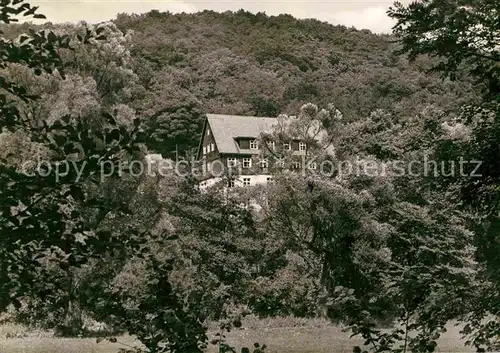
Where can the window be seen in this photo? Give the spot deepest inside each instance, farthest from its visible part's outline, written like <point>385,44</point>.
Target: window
<point>247,162</point>
<point>271,146</point>
<point>204,150</point>
<point>269,179</point>
<point>280,163</point>
<point>231,162</point>
<point>295,165</point>
<point>263,163</point>
<point>302,146</point>
<point>212,147</point>
<point>246,181</point>
<point>287,146</point>
<point>312,165</point>
<point>230,183</point>
<point>254,144</point>
<point>208,132</point>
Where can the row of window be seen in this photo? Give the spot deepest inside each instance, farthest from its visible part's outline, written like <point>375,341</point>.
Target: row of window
<point>246,182</point>
<point>263,163</point>
<point>208,148</point>
<point>231,182</point>
<point>254,145</point>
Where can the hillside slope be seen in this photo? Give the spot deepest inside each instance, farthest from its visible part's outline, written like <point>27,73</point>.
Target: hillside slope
<point>253,64</point>
<point>241,63</point>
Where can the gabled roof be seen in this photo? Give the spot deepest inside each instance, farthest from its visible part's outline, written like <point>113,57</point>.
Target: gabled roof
<point>227,128</point>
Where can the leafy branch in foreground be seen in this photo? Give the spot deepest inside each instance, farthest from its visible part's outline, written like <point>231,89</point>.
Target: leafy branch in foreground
<point>47,233</point>
<point>463,34</point>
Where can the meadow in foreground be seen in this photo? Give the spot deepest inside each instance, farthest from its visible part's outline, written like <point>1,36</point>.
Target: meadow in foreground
<point>281,335</point>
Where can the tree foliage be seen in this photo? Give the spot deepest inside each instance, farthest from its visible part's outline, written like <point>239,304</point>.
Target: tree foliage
<point>464,36</point>
<point>361,240</point>
<point>54,221</point>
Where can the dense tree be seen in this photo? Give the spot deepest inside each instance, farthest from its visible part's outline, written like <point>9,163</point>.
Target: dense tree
<point>241,63</point>
<point>366,246</point>
<point>385,246</point>
<point>253,64</point>
<point>55,217</point>
<point>464,36</point>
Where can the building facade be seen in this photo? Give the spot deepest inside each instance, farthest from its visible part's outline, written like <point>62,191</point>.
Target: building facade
<point>230,151</point>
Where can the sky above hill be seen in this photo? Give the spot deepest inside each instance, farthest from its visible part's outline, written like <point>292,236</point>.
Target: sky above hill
<point>369,14</point>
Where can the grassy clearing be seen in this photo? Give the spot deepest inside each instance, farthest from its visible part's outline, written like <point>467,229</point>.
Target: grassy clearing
<point>281,335</point>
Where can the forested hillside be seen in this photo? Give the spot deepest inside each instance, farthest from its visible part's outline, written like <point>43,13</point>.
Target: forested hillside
<point>254,64</point>
<point>241,63</point>
<point>406,234</point>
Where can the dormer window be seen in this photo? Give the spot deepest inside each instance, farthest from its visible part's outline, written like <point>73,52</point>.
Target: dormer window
<point>302,146</point>
<point>254,144</point>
